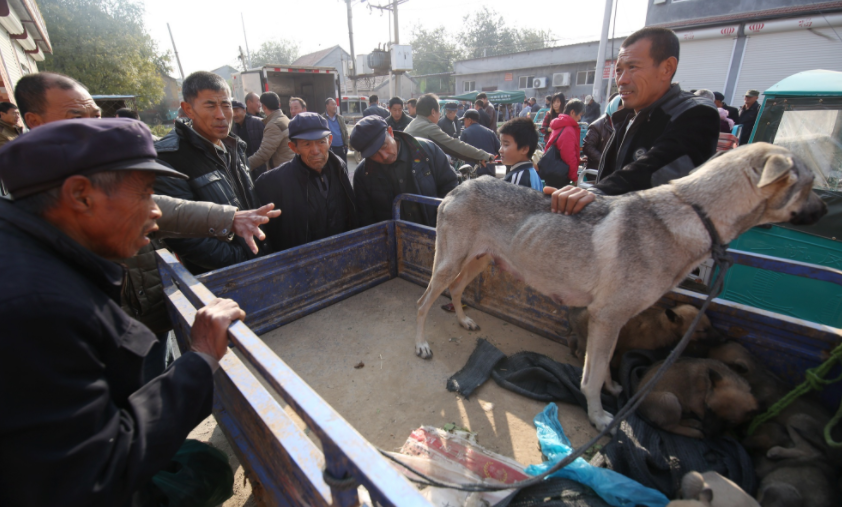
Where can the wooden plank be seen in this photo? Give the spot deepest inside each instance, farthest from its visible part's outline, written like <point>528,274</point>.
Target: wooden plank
<point>356,456</point>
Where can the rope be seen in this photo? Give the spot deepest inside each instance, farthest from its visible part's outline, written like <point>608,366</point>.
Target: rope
<point>723,261</point>
<point>814,380</point>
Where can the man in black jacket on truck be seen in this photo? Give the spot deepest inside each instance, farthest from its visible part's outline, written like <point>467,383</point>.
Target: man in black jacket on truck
<point>661,134</point>
<point>80,426</point>
<point>214,161</point>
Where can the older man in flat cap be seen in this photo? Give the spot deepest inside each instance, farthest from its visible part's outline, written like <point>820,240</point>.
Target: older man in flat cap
<point>79,427</point>
<point>313,187</point>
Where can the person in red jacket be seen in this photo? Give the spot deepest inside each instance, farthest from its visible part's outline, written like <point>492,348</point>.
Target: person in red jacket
<point>566,135</point>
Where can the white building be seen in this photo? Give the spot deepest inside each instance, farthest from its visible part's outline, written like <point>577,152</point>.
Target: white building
<point>23,42</point>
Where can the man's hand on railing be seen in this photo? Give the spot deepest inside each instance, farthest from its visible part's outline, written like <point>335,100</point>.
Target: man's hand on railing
<point>246,224</point>
<point>210,328</point>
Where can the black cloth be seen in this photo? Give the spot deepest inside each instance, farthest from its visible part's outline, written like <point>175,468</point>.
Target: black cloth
<point>400,176</point>
<point>251,131</point>
<point>599,133</point>
<point>481,137</point>
<point>452,128</point>
<point>432,176</point>
<point>656,458</point>
<point>341,152</point>
<point>748,117</point>
<point>378,110</point>
<point>399,126</point>
<point>222,178</point>
<point>666,140</point>
<point>327,213</point>
<point>733,112</point>
<point>485,120</point>
<point>535,107</point>
<point>591,112</point>
<point>560,491</point>
<point>288,186</point>
<point>79,427</point>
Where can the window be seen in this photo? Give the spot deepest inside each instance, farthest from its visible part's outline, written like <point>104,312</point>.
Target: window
<point>525,82</point>
<point>585,77</point>
<point>810,134</point>
<point>469,86</point>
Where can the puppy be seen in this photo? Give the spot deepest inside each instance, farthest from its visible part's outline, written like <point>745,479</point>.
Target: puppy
<point>714,489</point>
<point>652,329</point>
<point>768,388</point>
<point>620,254</point>
<point>697,396</point>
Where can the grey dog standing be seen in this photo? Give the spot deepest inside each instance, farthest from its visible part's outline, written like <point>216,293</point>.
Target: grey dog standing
<point>620,254</point>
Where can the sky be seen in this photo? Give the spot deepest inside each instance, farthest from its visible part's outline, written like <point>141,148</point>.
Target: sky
<point>208,33</point>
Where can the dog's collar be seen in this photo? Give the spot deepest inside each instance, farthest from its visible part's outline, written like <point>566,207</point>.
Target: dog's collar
<point>718,249</point>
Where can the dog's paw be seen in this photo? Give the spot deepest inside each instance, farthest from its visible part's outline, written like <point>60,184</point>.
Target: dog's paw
<point>469,324</point>
<point>614,388</point>
<point>601,421</point>
<point>423,351</point>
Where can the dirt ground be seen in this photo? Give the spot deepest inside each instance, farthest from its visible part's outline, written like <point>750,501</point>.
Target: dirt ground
<point>395,392</point>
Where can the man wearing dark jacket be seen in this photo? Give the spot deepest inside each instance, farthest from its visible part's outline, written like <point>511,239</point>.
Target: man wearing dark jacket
<point>216,165</point>
<point>247,127</point>
<point>719,100</point>
<point>79,425</point>
<point>313,188</point>
<point>449,123</point>
<point>748,115</point>
<point>397,119</point>
<point>397,163</point>
<point>478,136</point>
<point>375,108</point>
<point>661,134</point>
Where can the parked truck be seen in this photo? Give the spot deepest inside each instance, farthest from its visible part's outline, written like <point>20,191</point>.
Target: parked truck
<point>313,84</point>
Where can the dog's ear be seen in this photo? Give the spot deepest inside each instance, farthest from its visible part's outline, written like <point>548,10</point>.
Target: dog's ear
<point>715,376</point>
<point>706,495</point>
<point>776,168</point>
<point>673,317</point>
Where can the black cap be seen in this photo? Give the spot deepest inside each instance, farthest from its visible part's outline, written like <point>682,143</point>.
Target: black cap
<point>309,126</point>
<point>368,135</point>
<point>236,103</point>
<point>452,106</point>
<point>718,96</point>
<point>46,156</point>
<point>472,114</point>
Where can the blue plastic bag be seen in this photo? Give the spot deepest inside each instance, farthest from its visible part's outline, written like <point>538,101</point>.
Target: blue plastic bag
<point>614,488</point>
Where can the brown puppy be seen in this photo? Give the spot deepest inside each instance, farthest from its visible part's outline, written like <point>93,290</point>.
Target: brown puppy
<point>768,389</point>
<point>653,328</point>
<point>696,396</point>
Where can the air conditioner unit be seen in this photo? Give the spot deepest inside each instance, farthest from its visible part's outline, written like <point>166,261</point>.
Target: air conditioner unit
<point>561,79</point>
<point>539,82</point>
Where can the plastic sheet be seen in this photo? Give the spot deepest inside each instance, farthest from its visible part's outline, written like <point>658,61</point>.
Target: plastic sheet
<point>614,488</point>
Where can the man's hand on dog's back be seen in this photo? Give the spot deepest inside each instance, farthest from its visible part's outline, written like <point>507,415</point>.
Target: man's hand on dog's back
<point>569,200</point>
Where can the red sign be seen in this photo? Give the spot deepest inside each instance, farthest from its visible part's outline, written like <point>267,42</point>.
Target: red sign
<point>805,23</point>
<point>728,31</point>
<point>688,36</point>
<point>756,27</point>
<point>509,76</point>
<point>608,70</point>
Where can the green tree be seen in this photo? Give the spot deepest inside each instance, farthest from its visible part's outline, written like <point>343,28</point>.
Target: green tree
<point>531,38</point>
<point>275,52</point>
<point>104,45</point>
<point>487,34</point>
<point>433,51</point>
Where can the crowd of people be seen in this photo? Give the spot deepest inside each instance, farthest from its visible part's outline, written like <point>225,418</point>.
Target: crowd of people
<point>93,387</point>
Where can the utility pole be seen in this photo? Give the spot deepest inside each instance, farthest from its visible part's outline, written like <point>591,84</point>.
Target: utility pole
<point>351,37</point>
<point>243,59</point>
<point>180,70</point>
<point>248,53</point>
<point>600,57</point>
<point>397,41</point>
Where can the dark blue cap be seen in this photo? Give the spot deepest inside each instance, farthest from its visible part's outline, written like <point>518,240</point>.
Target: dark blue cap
<point>368,135</point>
<point>452,106</point>
<point>236,103</point>
<point>309,126</point>
<point>46,156</point>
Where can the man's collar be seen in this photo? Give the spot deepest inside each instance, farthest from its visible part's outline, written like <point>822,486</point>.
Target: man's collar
<point>214,144</point>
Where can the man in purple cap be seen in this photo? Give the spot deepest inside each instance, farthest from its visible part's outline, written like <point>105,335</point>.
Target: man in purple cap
<point>79,425</point>
<point>397,163</point>
<point>313,188</point>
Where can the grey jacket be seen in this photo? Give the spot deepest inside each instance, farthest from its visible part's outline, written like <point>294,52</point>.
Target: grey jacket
<point>423,128</point>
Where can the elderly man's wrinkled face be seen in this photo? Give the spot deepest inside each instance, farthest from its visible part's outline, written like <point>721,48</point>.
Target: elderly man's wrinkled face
<point>239,114</point>
<point>314,154</point>
<point>253,106</point>
<point>750,100</point>
<point>211,113</point>
<point>61,104</point>
<point>113,224</point>
<point>388,152</point>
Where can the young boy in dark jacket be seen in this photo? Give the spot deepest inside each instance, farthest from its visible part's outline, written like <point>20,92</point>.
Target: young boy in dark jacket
<point>518,140</point>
